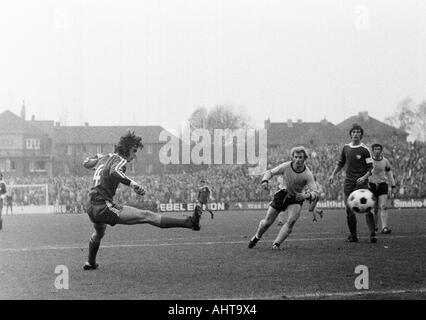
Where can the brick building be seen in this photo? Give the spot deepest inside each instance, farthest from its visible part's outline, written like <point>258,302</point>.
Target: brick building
<point>24,149</point>
<point>46,148</point>
<point>374,130</point>
<point>309,134</point>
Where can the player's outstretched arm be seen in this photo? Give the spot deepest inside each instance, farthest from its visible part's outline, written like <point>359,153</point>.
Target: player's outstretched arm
<point>339,165</point>
<point>391,180</point>
<point>390,175</point>
<point>313,190</point>
<point>270,173</point>
<point>333,174</point>
<point>365,176</point>
<point>137,188</point>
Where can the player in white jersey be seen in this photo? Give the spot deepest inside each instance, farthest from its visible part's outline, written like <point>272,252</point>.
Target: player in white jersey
<point>379,182</point>
<point>296,176</point>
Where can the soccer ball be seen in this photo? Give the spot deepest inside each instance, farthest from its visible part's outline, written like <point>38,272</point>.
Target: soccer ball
<point>361,200</point>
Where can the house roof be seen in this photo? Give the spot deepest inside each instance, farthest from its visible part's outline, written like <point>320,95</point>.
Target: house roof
<point>372,127</point>
<point>294,133</point>
<point>10,123</point>
<point>104,134</point>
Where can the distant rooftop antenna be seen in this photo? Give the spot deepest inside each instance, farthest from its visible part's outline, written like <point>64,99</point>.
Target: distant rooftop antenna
<point>344,107</point>
<point>23,110</point>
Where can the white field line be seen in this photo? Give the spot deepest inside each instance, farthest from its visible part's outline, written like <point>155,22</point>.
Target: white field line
<point>318,295</point>
<point>353,293</point>
<point>195,242</point>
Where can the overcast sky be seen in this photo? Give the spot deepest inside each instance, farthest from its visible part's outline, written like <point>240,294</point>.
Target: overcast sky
<point>152,62</point>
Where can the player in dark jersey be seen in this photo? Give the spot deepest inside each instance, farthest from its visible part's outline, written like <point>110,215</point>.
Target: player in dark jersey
<point>109,173</point>
<point>204,195</point>
<point>359,164</point>
<point>2,196</point>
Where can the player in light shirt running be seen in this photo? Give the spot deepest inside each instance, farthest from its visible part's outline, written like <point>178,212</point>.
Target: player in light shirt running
<point>296,176</point>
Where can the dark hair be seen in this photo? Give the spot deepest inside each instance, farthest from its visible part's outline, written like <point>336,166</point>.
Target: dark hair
<point>356,126</point>
<point>127,142</point>
<point>377,145</point>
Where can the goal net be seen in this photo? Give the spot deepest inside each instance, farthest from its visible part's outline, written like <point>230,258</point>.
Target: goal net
<point>27,198</point>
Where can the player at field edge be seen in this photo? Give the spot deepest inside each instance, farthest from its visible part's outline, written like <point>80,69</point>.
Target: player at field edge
<point>102,210</point>
<point>296,176</point>
<point>2,196</point>
<point>378,184</point>
<point>356,157</point>
<point>204,195</point>
<point>9,201</point>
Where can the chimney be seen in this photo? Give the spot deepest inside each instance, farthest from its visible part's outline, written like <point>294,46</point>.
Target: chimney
<point>267,124</point>
<point>324,122</point>
<point>363,115</point>
<point>86,124</point>
<point>32,117</point>
<point>289,123</point>
<point>299,121</point>
<point>23,110</point>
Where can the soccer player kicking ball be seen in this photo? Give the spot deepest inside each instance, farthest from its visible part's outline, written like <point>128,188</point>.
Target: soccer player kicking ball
<point>378,185</point>
<point>109,173</point>
<point>295,177</point>
<point>359,164</point>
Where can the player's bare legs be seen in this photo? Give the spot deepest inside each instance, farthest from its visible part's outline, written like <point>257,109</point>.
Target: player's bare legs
<point>383,212</point>
<point>352,222</point>
<point>264,224</point>
<point>1,220</point>
<point>94,243</point>
<point>313,208</point>
<point>281,219</point>
<point>369,218</point>
<point>376,215</point>
<point>130,215</point>
<point>205,208</point>
<point>293,215</point>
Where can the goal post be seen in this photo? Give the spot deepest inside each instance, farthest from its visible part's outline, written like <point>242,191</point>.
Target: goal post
<point>28,198</point>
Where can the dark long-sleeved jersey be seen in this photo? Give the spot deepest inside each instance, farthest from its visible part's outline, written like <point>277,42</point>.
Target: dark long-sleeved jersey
<point>2,191</point>
<point>357,159</point>
<point>203,194</point>
<point>109,173</point>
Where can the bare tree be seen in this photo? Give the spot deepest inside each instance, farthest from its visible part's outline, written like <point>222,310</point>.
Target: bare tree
<point>420,124</point>
<point>219,117</point>
<point>404,117</point>
<point>198,118</point>
<point>410,118</point>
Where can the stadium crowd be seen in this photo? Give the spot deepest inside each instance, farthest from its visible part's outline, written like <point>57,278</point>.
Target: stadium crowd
<point>228,183</point>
